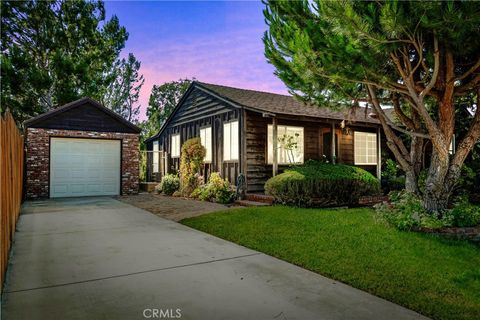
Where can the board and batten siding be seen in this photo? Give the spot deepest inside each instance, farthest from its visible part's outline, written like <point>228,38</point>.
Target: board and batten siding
<point>258,170</point>
<point>199,110</point>
<point>316,134</point>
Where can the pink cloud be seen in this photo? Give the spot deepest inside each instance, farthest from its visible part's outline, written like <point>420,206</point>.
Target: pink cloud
<point>228,58</point>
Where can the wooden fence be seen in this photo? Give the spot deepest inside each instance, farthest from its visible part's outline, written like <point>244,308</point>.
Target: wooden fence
<point>11,180</point>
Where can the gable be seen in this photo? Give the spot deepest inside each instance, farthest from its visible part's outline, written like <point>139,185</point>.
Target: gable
<point>195,104</point>
<point>84,115</point>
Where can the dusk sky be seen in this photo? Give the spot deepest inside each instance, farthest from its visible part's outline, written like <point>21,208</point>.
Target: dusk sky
<point>216,42</point>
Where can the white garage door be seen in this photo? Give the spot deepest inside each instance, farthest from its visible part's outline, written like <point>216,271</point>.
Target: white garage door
<point>84,167</point>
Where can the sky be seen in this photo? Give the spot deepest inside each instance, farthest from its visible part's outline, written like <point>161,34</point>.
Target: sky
<point>215,41</point>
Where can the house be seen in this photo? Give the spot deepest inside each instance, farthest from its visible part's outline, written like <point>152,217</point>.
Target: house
<point>237,126</point>
<point>81,149</point>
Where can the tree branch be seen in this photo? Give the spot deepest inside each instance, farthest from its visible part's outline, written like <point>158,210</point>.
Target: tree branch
<point>470,71</point>
<point>397,145</point>
<point>436,68</point>
<point>472,137</point>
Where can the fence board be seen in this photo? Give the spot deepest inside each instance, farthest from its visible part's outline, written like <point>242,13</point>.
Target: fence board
<point>11,181</point>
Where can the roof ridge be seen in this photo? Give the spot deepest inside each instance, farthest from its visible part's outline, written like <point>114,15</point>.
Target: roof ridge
<point>244,89</point>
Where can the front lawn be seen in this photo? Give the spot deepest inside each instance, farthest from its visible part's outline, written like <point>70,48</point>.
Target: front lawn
<point>436,277</point>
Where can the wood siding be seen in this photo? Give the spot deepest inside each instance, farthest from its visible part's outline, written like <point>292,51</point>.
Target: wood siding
<point>258,170</point>
<point>84,118</point>
<point>316,132</point>
<point>199,110</point>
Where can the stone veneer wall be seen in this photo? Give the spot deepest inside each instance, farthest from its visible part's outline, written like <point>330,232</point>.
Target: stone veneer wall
<point>38,158</point>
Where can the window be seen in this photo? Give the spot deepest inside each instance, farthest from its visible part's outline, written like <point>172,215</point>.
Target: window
<point>155,157</point>
<point>230,141</point>
<point>206,138</point>
<point>289,144</point>
<point>175,151</point>
<point>365,145</point>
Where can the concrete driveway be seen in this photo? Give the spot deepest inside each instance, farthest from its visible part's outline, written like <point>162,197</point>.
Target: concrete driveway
<point>98,258</point>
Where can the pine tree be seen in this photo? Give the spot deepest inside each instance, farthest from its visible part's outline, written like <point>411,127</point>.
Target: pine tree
<point>122,94</point>
<point>421,57</point>
<point>54,52</point>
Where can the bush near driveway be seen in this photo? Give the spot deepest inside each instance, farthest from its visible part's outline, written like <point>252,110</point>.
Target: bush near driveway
<point>169,184</point>
<point>317,184</point>
<point>216,190</point>
<point>191,161</point>
<point>436,277</point>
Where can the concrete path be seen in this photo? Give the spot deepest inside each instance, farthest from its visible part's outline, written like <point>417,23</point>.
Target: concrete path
<point>98,258</point>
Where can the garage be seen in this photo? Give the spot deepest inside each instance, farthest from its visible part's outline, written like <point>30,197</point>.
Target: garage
<point>84,167</point>
<point>81,149</point>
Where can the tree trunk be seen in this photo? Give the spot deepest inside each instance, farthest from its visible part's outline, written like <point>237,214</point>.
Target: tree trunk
<point>437,188</point>
<point>411,182</point>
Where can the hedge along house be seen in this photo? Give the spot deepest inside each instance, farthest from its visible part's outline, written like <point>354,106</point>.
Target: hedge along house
<point>81,149</point>
<point>237,127</point>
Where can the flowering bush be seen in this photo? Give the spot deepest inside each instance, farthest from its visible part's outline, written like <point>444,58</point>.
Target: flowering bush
<point>191,161</point>
<point>169,184</point>
<point>216,189</point>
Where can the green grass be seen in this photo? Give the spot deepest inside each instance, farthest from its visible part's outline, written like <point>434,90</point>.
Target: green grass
<point>436,277</point>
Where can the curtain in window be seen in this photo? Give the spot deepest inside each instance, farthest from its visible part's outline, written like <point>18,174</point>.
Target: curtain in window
<point>365,148</point>
<point>290,144</point>
<point>176,145</point>
<point>230,141</point>
<point>206,138</point>
<point>155,157</point>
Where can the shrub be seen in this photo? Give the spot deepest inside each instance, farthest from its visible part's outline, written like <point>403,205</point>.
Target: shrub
<point>169,184</point>
<point>216,189</point>
<point>406,211</point>
<point>321,184</point>
<point>463,214</point>
<point>191,161</point>
<point>390,177</point>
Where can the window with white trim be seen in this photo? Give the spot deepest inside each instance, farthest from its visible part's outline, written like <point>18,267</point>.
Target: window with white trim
<point>230,141</point>
<point>206,138</point>
<point>290,141</point>
<point>175,146</point>
<point>155,157</point>
<point>365,148</point>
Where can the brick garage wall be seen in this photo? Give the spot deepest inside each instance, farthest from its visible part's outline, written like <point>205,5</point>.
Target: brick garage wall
<point>38,158</point>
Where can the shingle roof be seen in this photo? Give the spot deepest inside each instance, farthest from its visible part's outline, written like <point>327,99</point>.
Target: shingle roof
<point>77,103</point>
<point>284,104</point>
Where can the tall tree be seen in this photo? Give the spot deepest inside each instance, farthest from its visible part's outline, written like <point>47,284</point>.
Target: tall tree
<point>163,100</point>
<point>53,52</point>
<point>122,94</point>
<point>420,57</point>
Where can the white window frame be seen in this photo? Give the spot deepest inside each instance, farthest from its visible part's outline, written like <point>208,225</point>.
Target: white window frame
<point>369,152</point>
<point>231,148</point>
<point>280,132</point>
<point>206,139</point>
<point>156,158</point>
<point>175,145</point>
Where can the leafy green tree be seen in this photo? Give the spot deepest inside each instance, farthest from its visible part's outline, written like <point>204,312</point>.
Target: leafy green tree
<point>53,52</point>
<point>163,100</point>
<point>123,92</point>
<point>419,56</point>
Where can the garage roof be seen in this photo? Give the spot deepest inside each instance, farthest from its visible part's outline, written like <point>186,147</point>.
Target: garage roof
<point>84,114</point>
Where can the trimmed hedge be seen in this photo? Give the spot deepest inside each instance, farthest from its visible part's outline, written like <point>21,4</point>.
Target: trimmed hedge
<point>316,184</point>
